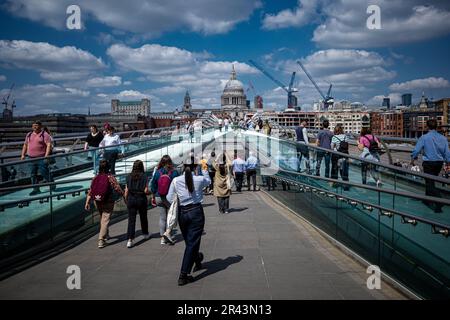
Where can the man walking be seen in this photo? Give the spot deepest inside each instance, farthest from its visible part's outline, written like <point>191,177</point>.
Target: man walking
<point>38,144</point>
<point>434,148</point>
<point>324,141</point>
<point>302,147</point>
<point>238,171</point>
<point>250,165</point>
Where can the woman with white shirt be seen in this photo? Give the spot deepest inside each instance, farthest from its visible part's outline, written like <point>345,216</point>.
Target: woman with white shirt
<point>110,154</point>
<point>191,218</point>
<point>339,163</point>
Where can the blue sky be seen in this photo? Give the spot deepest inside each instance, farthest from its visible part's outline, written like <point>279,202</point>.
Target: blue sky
<point>159,49</point>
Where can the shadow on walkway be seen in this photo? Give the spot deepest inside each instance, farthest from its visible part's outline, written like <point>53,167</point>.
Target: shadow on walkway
<point>217,265</point>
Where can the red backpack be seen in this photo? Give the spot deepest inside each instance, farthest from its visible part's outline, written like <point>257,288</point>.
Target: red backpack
<point>164,183</point>
<point>101,188</point>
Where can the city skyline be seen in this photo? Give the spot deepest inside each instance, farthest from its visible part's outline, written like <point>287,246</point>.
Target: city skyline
<point>145,49</point>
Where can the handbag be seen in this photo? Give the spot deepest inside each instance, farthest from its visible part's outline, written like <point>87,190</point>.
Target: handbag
<point>172,213</point>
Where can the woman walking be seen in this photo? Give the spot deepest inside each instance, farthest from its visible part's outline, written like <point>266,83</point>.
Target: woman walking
<point>161,181</point>
<point>222,183</point>
<point>102,191</point>
<point>369,145</point>
<point>339,163</point>
<point>191,218</point>
<point>136,193</point>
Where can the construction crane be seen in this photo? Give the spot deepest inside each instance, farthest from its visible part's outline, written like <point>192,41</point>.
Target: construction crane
<point>327,100</point>
<point>8,110</point>
<point>291,99</point>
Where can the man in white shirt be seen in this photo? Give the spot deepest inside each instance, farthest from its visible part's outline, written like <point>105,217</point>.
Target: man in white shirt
<point>111,154</point>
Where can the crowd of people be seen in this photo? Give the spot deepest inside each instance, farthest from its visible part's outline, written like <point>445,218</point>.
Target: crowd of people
<point>214,174</point>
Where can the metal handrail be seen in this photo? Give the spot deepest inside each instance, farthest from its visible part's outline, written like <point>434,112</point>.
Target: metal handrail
<point>387,166</point>
<point>393,211</point>
<point>13,143</point>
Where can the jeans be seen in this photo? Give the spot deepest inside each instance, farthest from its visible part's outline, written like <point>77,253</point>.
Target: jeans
<point>224,203</point>
<point>111,157</point>
<point>320,156</point>
<point>164,206</point>
<point>137,204</point>
<point>94,155</point>
<point>303,151</point>
<point>239,180</point>
<point>192,221</point>
<point>40,165</point>
<point>211,176</point>
<point>251,173</point>
<point>433,168</point>
<point>339,164</point>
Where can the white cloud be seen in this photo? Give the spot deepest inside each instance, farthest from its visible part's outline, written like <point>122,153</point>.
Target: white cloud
<point>2,77</point>
<point>127,83</point>
<point>396,98</point>
<point>53,63</point>
<point>402,21</point>
<point>148,17</point>
<point>100,82</point>
<point>301,15</point>
<point>421,84</point>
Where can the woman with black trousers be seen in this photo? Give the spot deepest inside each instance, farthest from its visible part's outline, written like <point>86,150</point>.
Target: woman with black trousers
<point>191,218</point>
<point>136,193</point>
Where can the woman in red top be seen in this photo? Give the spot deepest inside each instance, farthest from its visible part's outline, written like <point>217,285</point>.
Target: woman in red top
<point>370,146</point>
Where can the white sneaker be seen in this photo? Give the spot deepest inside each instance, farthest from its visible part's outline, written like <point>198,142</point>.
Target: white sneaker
<point>146,236</point>
<point>163,241</point>
<point>168,238</point>
<point>130,243</point>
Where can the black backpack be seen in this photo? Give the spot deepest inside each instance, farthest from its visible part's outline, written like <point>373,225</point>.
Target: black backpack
<point>343,146</point>
<point>373,145</point>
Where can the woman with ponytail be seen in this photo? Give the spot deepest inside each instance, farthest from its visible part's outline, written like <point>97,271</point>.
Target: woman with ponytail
<point>191,218</point>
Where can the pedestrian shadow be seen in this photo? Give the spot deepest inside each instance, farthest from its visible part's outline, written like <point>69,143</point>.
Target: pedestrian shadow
<point>218,265</point>
<point>237,209</point>
<point>208,205</point>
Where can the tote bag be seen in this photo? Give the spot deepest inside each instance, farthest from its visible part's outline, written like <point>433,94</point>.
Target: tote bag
<point>172,213</point>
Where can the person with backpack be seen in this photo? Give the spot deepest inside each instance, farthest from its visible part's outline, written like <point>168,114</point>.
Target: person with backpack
<point>370,147</point>
<point>339,143</point>
<point>38,145</point>
<point>211,170</point>
<point>160,184</point>
<point>104,190</point>
<point>222,183</point>
<point>188,188</point>
<point>136,192</point>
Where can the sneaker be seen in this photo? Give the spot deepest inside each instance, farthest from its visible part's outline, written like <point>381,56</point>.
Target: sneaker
<point>147,236</point>
<point>168,238</point>
<point>130,243</point>
<point>185,279</point>
<point>227,212</point>
<point>163,241</point>
<point>379,184</point>
<point>101,244</point>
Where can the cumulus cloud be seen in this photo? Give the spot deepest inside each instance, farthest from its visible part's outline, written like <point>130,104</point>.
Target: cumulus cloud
<point>147,17</point>
<point>377,101</point>
<point>402,21</point>
<point>52,62</point>
<point>100,82</point>
<point>304,13</point>
<point>421,84</point>
<point>177,69</point>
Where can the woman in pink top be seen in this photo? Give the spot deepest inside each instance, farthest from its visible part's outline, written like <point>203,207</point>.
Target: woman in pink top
<point>370,146</point>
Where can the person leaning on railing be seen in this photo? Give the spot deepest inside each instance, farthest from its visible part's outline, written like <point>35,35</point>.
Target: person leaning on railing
<point>38,144</point>
<point>435,151</point>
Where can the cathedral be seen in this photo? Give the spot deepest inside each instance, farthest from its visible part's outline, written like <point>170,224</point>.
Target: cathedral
<point>233,99</point>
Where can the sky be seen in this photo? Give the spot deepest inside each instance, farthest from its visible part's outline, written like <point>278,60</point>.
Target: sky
<point>158,49</point>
